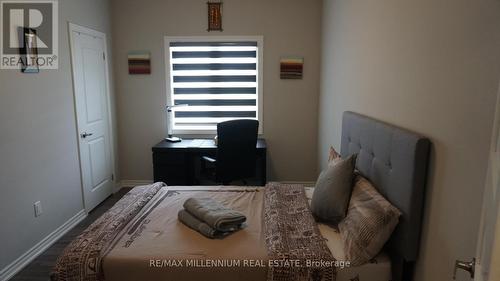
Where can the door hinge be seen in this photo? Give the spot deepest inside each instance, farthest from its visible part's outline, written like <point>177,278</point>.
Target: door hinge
<point>466,266</point>
<point>112,177</point>
<point>103,56</point>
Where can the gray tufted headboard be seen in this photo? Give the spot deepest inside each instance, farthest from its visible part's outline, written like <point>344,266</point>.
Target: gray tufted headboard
<point>395,161</point>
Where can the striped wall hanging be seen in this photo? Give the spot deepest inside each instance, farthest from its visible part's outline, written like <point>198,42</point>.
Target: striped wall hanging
<point>139,62</point>
<point>291,68</point>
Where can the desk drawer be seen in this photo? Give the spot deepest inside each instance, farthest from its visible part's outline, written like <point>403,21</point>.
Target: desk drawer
<point>170,158</point>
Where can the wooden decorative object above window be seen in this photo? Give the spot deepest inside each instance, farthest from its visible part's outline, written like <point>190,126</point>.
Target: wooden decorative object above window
<point>214,16</point>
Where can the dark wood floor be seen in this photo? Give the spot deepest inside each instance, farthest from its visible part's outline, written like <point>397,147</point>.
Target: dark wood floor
<point>40,268</point>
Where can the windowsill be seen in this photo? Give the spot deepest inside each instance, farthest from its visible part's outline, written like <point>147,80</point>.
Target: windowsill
<point>202,136</point>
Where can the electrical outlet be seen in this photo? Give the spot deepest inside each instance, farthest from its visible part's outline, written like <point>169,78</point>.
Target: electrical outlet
<point>38,208</point>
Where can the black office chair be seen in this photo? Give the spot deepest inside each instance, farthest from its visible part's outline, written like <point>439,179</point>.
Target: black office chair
<point>236,152</point>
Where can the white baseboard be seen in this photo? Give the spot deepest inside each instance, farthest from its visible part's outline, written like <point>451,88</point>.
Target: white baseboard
<point>116,187</point>
<point>132,183</point>
<point>10,270</point>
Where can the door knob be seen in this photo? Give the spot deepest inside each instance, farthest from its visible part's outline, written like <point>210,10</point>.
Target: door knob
<point>85,134</point>
<point>466,266</point>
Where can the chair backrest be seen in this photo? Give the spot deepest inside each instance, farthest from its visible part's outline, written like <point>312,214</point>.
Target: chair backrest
<point>236,149</point>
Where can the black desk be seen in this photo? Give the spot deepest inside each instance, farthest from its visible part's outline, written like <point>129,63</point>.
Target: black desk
<point>176,163</point>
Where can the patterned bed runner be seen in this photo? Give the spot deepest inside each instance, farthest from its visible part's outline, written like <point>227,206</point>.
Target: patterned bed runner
<point>81,260</point>
<point>292,235</point>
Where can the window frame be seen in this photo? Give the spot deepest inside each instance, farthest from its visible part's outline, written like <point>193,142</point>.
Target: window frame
<point>260,63</point>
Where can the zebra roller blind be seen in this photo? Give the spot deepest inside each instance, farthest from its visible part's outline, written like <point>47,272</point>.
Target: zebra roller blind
<point>217,80</point>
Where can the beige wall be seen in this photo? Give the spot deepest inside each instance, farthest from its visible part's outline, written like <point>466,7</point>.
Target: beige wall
<point>431,66</point>
<point>290,117</point>
<point>38,141</point>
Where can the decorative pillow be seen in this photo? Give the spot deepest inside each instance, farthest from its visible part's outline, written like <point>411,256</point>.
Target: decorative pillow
<point>369,223</point>
<point>333,190</point>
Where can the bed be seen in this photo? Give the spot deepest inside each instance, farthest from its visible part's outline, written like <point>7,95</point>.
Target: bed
<point>140,238</point>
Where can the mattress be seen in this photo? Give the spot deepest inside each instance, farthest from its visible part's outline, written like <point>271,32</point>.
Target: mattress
<point>378,269</point>
<point>129,260</point>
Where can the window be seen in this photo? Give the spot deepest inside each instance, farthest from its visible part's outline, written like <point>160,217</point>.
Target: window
<point>214,79</point>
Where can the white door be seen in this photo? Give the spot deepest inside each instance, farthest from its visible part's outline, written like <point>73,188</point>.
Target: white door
<point>93,119</point>
<point>486,266</point>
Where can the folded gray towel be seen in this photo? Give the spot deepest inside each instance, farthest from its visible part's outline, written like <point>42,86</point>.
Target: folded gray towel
<point>214,214</point>
<point>192,222</point>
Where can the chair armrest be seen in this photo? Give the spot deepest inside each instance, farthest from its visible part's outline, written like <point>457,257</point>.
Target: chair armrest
<point>209,159</point>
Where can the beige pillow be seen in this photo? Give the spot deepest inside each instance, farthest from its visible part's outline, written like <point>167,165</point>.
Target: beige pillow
<point>333,156</point>
<point>369,223</point>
